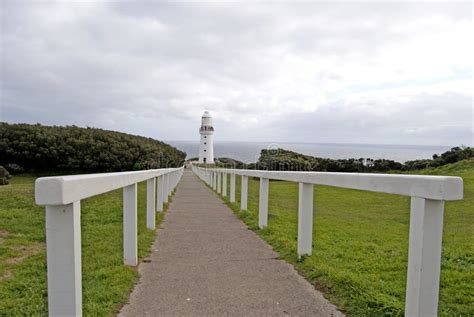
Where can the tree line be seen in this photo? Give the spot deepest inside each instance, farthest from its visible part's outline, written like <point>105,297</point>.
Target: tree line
<point>39,148</point>
<point>285,160</point>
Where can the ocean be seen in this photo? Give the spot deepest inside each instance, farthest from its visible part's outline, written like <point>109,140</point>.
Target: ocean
<point>249,152</point>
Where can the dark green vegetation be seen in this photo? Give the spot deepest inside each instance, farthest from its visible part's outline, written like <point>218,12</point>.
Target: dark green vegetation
<point>4,176</point>
<point>106,281</point>
<point>26,147</point>
<point>284,160</point>
<point>360,242</point>
<point>227,162</point>
<point>223,162</point>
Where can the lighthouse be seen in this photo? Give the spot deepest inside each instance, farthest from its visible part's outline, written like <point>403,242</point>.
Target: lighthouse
<point>206,147</point>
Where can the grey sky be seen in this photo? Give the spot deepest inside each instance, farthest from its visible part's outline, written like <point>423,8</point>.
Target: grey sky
<point>348,72</point>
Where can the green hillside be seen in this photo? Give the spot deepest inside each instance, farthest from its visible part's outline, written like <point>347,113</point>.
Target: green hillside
<point>285,160</point>
<point>38,148</point>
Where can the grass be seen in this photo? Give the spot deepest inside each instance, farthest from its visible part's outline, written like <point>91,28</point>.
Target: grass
<point>106,281</point>
<point>360,242</point>
<point>359,249</point>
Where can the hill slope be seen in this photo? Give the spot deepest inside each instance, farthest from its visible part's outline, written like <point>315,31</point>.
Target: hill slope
<point>50,148</point>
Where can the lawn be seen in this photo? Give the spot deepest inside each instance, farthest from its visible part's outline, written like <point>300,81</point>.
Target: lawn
<point>360,242</point>
<point>359,254</point>
<point>106,281</point>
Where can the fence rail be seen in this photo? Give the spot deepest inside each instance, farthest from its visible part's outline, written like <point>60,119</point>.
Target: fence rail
<point>428,195</point>
<point>62,195</point>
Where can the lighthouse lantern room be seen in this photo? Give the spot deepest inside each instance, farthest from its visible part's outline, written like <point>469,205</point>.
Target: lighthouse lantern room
<point>206,146</point>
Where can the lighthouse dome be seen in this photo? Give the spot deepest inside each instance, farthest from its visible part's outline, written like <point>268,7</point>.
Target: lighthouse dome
<point>206,119</point>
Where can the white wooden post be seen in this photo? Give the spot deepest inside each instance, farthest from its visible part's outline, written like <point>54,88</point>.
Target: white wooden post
<point>165,188</point>
<point>263,203</point>
<point>170,184</point>
<point>244,186</point>
<point>305,219</point>
<point>424,257</point>
<point>224,184</point>
<point>219,182</point>
<point>130,225</point>
<point>214,180</point>
<point>173,180</point>
<point>63,251</point>
<point>232,188</point>
<point>150,203</point>
<point>159,194</point>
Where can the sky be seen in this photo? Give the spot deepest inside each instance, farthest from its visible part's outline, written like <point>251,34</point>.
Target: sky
<point>326,72</point>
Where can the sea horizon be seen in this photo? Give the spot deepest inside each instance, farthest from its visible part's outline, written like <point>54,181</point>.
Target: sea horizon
<point>249,151</point>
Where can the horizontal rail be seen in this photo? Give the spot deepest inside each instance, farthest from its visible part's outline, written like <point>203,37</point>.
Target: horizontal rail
<point>428,195</point>
<point>423,186</point>
<point>62,190</point>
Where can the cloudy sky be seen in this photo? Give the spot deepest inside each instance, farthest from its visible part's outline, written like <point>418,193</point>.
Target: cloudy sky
<point>345,72</point>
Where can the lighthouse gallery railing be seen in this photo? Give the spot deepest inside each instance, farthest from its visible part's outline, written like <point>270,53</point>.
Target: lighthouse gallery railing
<point>428,194</point>
<point>62,197</point>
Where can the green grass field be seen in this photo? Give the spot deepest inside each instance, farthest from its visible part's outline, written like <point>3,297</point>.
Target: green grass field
<point>359,254</point>
<point>360,242</point>
<point>106,281</point>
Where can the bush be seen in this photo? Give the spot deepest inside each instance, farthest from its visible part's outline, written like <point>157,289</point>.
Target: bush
<point>4,176</point>
<point>226,162</point>
<point>15,168</point>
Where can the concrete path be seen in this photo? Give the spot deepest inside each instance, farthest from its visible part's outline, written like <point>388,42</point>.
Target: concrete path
<point>205,262</point>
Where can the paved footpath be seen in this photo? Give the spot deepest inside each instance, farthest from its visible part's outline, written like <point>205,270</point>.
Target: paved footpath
<point>205,262</point>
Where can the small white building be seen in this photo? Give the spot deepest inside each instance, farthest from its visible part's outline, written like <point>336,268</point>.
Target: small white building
<point>206,147</point>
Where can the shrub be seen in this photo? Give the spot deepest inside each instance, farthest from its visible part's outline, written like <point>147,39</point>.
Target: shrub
<point>4,176</point>
<point>15,168</point>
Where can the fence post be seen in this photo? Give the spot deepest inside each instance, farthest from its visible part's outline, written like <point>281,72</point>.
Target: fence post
<point>159,193</point>
<point>214,180</point>
<point>219,182</point>
<point>63,251</point>
<point>232,188</point>
<point>130,225</point>
<point>170,183</point>
<point>305,219</point>
<point>166,188</point>
<point>263,203</point>
<point>175,181</point>
<point>224,184</point>
<point>150,203</point>
<point>424,257</point>
<point>244,187</point>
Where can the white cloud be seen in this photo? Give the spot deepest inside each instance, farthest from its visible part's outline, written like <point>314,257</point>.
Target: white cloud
<point>151,68</point>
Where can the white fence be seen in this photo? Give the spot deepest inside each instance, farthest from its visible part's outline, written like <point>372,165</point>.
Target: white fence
<point>428,194</point>
<point>62,197</point>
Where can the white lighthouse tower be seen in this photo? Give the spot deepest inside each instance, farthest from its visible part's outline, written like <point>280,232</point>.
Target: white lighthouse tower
<point>206,147</point>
